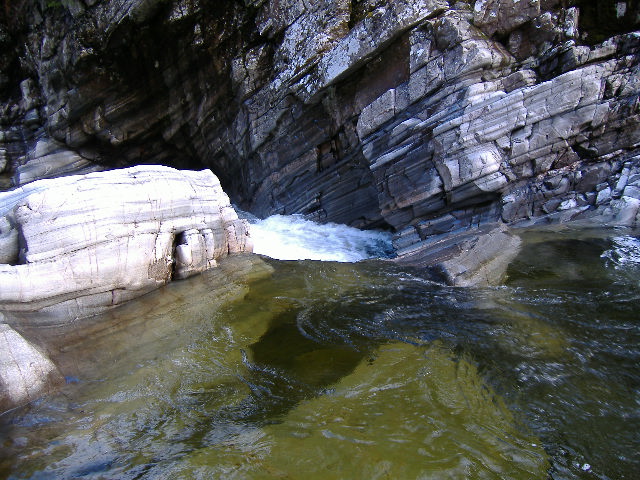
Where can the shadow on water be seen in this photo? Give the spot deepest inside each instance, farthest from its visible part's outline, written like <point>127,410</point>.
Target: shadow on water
<point>334,319</point>
<point>309,366</point>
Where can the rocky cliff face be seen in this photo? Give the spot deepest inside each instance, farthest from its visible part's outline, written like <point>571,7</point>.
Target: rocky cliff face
<point>427,117</point>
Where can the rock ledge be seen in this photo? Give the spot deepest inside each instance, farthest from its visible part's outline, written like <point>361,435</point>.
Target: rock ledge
<point>77,245</point>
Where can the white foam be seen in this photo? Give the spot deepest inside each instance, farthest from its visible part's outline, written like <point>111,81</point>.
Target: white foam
<point>292,237</point>
<point>625,251</point>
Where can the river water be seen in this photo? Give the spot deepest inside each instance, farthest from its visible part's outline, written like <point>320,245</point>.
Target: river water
<point>268,368</point>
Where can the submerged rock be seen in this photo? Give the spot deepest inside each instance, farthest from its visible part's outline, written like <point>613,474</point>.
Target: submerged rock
<point>25,371</point>
<point>478,257</point>
<point>76,245</point>
<point>406,412</point>
<point>120,339</point>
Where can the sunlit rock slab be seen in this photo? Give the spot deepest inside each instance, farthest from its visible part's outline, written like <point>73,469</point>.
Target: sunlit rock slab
<point>472,258</point>
<point>84,243</point>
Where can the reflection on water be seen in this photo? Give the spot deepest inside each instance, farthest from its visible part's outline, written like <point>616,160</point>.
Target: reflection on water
<point>332,370</point>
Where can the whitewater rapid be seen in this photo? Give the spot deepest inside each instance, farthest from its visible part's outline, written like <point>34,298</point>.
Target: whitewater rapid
<point>292,237</point>
<point>625,251</point>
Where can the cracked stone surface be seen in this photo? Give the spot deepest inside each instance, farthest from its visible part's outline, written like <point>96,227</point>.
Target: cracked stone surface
<point>80,244</point>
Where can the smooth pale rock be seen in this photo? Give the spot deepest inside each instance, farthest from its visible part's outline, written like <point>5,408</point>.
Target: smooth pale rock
<point>85,243</point>
<point>25,372</point>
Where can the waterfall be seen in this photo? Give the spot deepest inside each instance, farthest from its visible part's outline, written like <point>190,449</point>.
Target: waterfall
<point>292,237</point>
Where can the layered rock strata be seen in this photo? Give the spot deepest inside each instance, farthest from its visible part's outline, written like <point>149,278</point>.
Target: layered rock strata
<point>426,117</point>
<point>440,120</point>
<point>77,245</point>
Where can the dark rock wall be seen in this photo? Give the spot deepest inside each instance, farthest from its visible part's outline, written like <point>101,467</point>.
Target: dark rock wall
<point>426,116</point>
<point>125,82</point>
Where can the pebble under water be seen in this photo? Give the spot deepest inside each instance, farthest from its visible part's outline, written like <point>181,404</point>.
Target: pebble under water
<point>308,369</point>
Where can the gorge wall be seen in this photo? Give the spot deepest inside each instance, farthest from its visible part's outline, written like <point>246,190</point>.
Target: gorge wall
<point>427,117</point>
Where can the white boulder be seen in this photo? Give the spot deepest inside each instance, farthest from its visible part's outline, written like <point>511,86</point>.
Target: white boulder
<point>25,372</point>
<point>80,244</point>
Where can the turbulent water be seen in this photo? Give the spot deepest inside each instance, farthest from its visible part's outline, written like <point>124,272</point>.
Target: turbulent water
<point>307,369</point>
<point>292,237</point>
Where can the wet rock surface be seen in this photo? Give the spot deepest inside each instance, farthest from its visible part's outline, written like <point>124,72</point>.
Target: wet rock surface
<point>473,258</point>
<point>25,371</point>
<point>41,351</point>
<point>77,246</point>
<point>442,121</point>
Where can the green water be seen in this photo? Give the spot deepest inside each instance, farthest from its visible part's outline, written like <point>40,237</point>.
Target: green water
<point>327,370</point>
